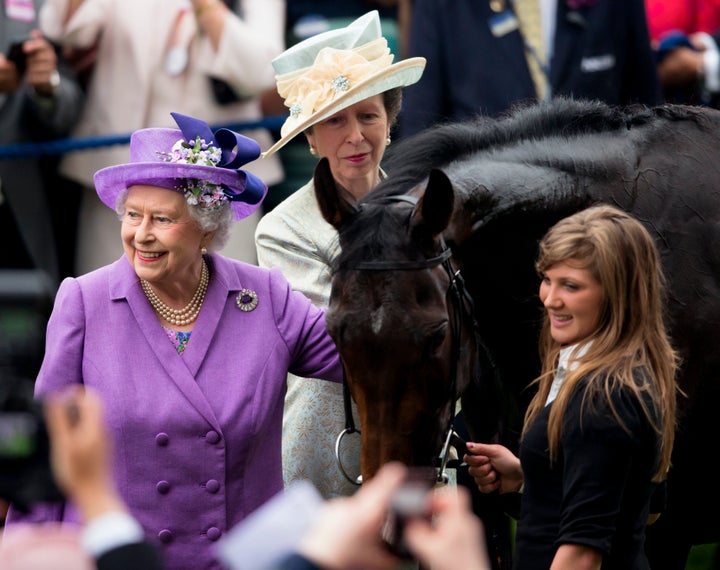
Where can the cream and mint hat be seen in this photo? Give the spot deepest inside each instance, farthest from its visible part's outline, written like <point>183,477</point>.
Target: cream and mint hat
<point>335,69</point>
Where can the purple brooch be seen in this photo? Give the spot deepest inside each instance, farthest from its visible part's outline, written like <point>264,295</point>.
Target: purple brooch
<point>247,300</point>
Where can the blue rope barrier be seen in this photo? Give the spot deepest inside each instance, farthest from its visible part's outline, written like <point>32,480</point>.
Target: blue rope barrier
<point>61,146</point>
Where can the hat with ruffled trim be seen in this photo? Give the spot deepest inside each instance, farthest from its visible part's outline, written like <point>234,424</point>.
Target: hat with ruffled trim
<point>335,69</point>
<point>203,165</point>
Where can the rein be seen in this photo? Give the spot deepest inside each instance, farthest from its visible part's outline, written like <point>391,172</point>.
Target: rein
<point>461,305</point>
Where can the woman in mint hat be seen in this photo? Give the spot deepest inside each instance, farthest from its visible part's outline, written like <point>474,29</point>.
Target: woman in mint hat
<point>188,350</point>
<point>344,93</point>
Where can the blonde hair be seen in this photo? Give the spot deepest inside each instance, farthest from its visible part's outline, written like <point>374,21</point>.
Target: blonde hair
<point>621,255</point>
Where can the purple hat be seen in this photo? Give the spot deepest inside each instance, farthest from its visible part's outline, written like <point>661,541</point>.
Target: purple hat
<point>204,166</point>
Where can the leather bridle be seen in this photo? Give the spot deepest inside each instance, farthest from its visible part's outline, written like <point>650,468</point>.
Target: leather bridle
<point>460,306</point>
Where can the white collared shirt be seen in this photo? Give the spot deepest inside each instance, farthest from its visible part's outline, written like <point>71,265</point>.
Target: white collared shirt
<point>566,364</point>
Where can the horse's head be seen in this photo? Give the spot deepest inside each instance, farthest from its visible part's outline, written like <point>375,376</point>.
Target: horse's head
<point>396,318</point>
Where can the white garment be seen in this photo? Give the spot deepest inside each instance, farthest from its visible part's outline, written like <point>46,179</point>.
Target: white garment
<point>567,362</point>
<point>711,63</point>
<point>109,531</point>
<point>296,238</point>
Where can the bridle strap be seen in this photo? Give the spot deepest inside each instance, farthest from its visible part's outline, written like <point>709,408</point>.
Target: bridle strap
<point>388,265</point>
<point>347,404</point>
<point>349,429</point>
<point>459,299</point>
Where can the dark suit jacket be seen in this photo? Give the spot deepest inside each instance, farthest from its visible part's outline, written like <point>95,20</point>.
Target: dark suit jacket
<point>24,119</point>
<point>140,556</point>
<point>601,51</point>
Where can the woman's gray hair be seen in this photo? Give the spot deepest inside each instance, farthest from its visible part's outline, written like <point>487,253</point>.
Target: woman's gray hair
<point>218,219</point>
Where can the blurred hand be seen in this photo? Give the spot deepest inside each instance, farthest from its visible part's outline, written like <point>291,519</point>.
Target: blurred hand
<point>9,76</point>
<point>682,66</point>
<point>80,452</point>
<point>347,533</point>
<point>41,63</point>
<point>494,467</point>
<point>454,540</point>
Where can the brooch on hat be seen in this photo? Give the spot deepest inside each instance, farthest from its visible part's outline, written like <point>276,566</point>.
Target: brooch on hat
<point>247,300</point>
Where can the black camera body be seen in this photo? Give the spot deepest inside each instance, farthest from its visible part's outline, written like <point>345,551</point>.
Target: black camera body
<point>16,54</point>
<point>25,473</point>
<point>410,501</point>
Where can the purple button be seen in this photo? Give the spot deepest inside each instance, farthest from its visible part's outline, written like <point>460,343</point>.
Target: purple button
<point>163,487</point>
<point>165,535</point>
<point>162,439</point>
<point>213,533</point>
<point>212,486</point>
<point>212,436</point>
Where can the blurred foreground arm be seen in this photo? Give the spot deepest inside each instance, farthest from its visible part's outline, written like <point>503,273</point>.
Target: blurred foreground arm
<point>80,459</point>
<point>348,531</point>
<point>453,540</point>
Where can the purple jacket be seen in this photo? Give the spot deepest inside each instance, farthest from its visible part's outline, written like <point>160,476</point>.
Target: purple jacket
<point>197,436</point>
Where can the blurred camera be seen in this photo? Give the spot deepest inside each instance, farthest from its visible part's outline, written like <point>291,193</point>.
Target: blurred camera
<point>16,54</point>
<point>410,501</point>
<point>25,474</point>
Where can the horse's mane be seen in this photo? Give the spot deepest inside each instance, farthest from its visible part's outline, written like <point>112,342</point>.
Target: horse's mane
<point>410,161</point>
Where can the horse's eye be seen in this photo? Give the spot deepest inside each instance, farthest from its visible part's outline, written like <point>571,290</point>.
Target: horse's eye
<point>436,338</point>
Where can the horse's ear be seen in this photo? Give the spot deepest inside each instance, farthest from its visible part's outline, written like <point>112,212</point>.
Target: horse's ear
<point>436,205</point>
<point>336,203</point>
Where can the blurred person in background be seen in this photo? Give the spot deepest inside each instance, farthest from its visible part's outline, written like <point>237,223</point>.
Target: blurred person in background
<point>201,58</point>
<point>525,51</point>
<point>39,100</point>
<point>685,36</point>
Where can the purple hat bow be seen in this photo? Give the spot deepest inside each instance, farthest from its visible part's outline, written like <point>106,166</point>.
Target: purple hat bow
<point>227,141</point>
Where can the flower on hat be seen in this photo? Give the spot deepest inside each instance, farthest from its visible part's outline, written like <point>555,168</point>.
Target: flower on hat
<point>333,72</point>
<point>197,191</point>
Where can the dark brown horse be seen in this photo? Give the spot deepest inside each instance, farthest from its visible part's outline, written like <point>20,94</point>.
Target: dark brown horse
<point>488,190</point>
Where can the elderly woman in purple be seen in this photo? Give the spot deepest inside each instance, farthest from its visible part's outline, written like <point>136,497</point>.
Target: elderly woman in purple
<point>188,349</point>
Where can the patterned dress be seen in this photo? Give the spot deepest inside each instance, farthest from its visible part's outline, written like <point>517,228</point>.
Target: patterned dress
<point>296,238</point>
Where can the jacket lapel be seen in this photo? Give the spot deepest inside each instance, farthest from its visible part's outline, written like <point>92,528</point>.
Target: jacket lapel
<point>224,283</point>
<point>124,285</point>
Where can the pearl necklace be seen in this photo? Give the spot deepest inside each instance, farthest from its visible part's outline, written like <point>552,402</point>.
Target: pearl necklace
<point>187,314</point>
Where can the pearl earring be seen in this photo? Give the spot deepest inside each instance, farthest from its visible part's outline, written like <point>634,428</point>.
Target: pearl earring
<point>203,250</point>
<point>388,141</point>
<point>313,151</point>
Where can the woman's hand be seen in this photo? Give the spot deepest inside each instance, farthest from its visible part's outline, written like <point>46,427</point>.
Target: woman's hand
<point>682,66</point>
<point>9,76</point>
<point>41,73</point>
<point>494,467</point>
